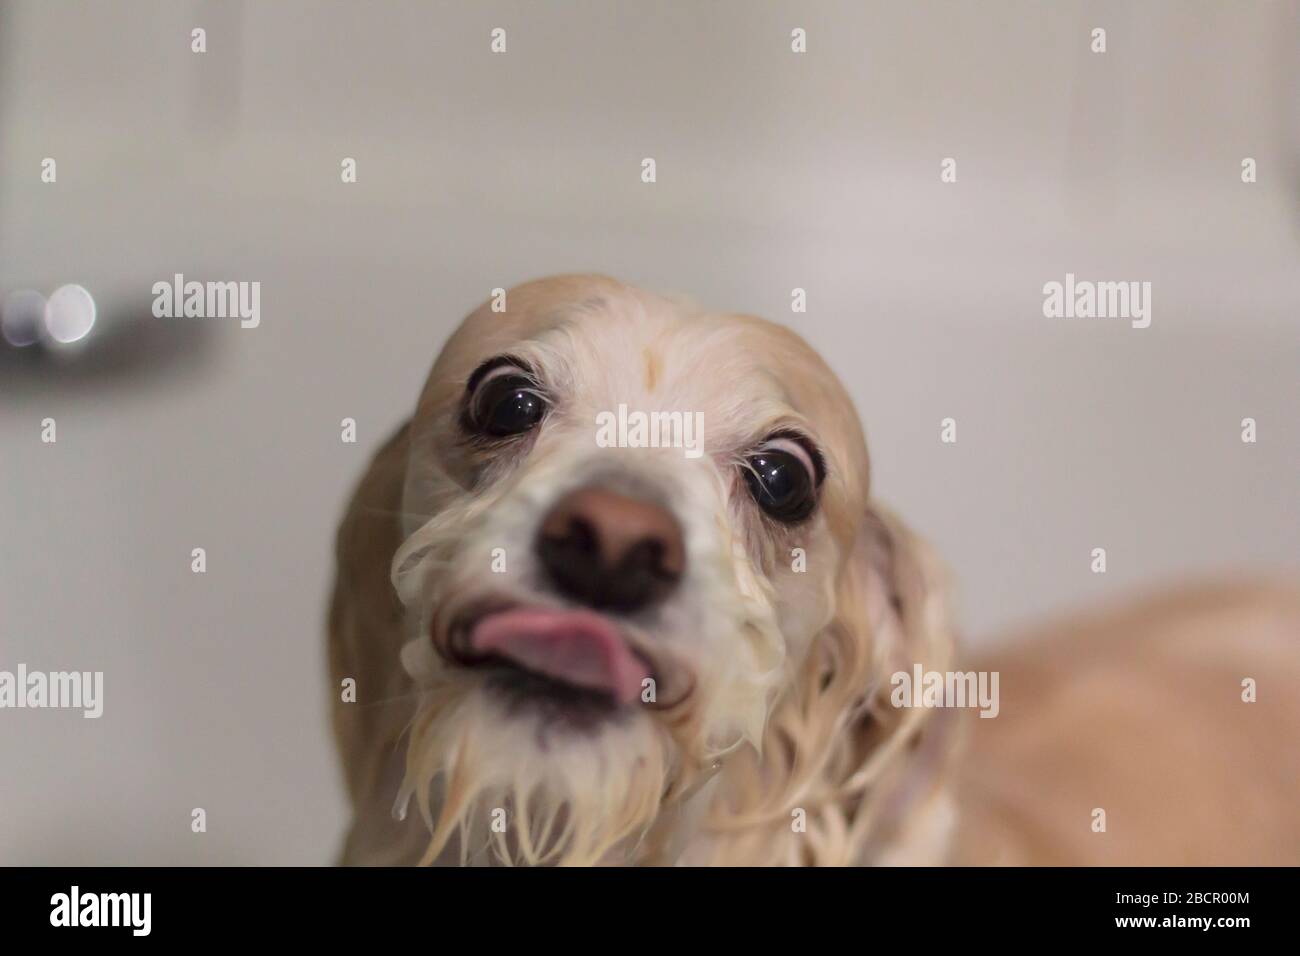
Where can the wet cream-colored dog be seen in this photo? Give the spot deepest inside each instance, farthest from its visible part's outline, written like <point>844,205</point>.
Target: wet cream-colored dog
<point>618,593</point>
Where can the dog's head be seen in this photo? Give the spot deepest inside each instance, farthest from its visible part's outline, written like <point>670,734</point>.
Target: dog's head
<point>639,550</point>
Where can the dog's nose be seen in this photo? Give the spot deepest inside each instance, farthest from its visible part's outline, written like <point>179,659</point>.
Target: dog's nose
<point>610,551</point>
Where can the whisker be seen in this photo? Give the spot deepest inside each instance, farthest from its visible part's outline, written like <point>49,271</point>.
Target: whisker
<point>410,696</point>
<point>388,512</point>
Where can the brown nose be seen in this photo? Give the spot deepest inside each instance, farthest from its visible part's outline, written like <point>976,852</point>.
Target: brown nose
<point>611,551</point>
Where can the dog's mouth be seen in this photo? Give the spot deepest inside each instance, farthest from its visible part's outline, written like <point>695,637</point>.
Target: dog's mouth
<point>568,657</point>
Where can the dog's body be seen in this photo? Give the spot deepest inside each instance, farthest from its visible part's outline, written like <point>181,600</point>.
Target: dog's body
<point>567,652</point>
<point>1139,712</point>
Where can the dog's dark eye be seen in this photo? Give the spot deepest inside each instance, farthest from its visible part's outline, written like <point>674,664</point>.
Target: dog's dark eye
<point>507,404</point>
<point>781,481</point>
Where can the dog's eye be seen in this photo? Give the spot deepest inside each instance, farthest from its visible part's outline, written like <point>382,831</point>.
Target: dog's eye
<point>508,403</point>
<point>780,477</point>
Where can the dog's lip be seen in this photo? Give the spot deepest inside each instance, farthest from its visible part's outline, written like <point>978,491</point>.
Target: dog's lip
<point>577,647</point>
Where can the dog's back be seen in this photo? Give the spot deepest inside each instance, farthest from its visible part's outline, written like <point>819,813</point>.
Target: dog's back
<point>1143,715</point>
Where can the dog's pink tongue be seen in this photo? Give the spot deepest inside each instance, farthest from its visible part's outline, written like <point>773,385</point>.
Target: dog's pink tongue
<point>577,647</point>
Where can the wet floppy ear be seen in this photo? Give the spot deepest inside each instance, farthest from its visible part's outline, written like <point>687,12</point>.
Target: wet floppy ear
<point>891,613</point>
<point>891,609</point>
<point>365,616</point>
<point>905,593</point>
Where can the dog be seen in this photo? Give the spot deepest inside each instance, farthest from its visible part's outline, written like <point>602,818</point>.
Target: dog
<point>574,644</point>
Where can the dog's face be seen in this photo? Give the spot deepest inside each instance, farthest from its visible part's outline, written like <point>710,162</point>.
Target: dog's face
<point>595,624</point>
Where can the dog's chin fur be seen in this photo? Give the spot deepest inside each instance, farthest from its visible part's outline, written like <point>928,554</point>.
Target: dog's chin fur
<point>498,786</point>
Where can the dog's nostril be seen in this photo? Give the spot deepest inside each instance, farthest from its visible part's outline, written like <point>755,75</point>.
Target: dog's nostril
<point>648,557</point>
<point>611,551</point>
<point>581,536</point>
